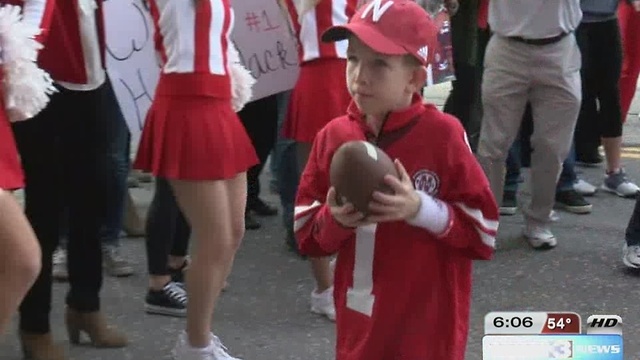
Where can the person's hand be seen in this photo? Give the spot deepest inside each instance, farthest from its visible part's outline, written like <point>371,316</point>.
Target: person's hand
<point>345,214</point>
<point>453,5</point>
<point>404,204</point>
<point>636,5</point>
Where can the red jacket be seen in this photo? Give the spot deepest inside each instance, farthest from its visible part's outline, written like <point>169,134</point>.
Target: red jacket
<point>402,293</point>
<point>63,55</point>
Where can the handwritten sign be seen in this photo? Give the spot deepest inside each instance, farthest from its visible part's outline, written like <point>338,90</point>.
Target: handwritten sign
<point>132,62</point>
<point>261,35</point>
<point>266,46</point>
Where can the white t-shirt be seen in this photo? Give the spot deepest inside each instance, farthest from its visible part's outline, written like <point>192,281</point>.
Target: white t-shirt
<point>534,19</point>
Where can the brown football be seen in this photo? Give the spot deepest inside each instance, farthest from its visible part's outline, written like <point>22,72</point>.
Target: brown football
<point>357,170</point>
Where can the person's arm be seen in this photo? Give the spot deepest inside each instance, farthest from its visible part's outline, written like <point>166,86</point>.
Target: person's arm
<point>316,230</point>
<point>39,13</point>
<point>466,215</point>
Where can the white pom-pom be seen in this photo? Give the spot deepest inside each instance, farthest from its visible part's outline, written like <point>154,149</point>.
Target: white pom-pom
<point>26,86</point>
<point>241,80</point>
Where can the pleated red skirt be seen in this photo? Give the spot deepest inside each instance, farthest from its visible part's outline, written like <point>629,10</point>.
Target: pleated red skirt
<point>319,96</point>
<point>11,175</point>
<point>195,138</point>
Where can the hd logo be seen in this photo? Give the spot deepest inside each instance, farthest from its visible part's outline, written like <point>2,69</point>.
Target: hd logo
<point>604,325</point>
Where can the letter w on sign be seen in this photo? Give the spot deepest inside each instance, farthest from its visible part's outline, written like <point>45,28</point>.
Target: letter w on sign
<point>378,9</point>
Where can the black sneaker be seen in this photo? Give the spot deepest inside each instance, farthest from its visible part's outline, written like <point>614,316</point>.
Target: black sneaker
<point>509,203</point>
<point>573,202</point>
<point>250,223</point>
<point>593,159</point>
<point>291,243</point>
<point>261,208</point>
<point>171,301</point>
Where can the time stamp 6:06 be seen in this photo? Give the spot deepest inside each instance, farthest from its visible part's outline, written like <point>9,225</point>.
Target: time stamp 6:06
<point>532,323</point>
<point>551,335</point>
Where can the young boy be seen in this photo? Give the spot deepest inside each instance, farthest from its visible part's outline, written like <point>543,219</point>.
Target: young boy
<point>403,274</point>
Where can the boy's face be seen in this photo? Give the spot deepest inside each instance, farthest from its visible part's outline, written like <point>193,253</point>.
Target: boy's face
<point>381,83</point>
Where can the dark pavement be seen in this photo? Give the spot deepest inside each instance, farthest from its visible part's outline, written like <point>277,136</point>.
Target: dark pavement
<point>264,314</point>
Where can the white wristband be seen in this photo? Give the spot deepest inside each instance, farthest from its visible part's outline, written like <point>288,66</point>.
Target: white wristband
<point>432,216</point>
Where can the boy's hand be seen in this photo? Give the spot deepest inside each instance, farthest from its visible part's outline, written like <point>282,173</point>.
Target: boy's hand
<point>403,205</point>
<point>636,5</point>
<point>345,214</point>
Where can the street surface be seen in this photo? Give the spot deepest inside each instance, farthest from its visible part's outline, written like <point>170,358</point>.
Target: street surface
<point>264,314</point>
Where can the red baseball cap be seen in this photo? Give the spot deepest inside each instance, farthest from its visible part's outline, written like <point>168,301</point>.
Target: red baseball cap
<point>391,27</point>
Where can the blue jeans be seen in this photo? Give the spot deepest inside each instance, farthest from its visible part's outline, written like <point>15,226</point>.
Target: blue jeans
<point>513,177</point>
<point>285,163</point>
<point>117,169</point>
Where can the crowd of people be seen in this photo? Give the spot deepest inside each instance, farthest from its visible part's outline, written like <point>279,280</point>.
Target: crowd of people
<point>543,85</point>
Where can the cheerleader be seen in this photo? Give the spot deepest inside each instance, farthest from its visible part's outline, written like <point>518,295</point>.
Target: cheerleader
<point>629,19</point>
<point>20,255</point>
<point>62,150</point>
<point>319,95</point>
<point>193,138</point>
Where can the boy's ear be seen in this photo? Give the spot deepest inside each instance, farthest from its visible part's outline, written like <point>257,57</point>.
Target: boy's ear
<point>418,79</point>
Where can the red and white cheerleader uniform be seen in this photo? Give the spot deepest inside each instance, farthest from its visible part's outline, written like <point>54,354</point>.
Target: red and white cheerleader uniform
<point>11,176</point>
<point>321,93</point>
<point>19,42</point>
<point>629,20</point>
<point>192,131</point>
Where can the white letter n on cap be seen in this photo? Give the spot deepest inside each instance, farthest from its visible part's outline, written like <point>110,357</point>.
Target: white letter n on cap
<point>378,10</point>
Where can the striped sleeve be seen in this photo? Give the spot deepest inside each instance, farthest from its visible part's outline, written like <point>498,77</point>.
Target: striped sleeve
<point>316,231</point>
<point>473,211</point>
<point>39,13</point>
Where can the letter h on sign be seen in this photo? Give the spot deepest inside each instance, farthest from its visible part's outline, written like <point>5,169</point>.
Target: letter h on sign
<point>604,325</point>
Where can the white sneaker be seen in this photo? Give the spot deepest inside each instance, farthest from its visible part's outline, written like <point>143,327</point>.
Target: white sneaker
<point>631,256</point>
<point>322,304</point>
<point>214,351</point>
<point>618,184</point>
<point>539,236</point>
<point>584,188</point>
<point>59,269</point>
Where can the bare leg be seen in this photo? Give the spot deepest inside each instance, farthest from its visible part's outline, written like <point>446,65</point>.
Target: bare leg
<point>215,211</point>
<point>176,262</point>
<point>19,259</point>
<point>157,282</point>
<point>320,266</point>
<point>612,151</point>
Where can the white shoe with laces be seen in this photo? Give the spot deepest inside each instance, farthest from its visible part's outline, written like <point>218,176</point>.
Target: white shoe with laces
<point>539,235</point>
<point>214,351</point>
<point>584,188</point>
<point>322,303</point>
<point>618,183</point>
<point>631,256</point>
<point>59,268</point>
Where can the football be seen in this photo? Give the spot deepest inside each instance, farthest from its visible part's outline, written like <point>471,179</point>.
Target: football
<point>357,170</point>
